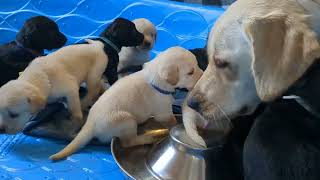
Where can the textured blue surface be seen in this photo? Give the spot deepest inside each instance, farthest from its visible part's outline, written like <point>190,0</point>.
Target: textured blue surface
<point>23,157</point>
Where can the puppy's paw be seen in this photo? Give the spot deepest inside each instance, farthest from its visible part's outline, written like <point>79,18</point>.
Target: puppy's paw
<point>172,121</point>
<point>139,140</point>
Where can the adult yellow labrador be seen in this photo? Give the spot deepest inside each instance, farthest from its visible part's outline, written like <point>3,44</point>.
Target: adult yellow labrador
<point>257,49</point>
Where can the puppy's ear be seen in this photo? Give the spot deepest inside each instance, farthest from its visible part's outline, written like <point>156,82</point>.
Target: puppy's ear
<point>170,73</point>
<point>36,102</point>
<point>282,49</point>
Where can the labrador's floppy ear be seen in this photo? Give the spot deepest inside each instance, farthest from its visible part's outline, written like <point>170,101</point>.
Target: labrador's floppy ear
<point>170,73</point>
<point>282,49</point>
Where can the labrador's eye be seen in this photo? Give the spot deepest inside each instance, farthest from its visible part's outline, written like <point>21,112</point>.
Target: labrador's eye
<point>221,63</point>
<point>12,114</point>
<point>191,72</point>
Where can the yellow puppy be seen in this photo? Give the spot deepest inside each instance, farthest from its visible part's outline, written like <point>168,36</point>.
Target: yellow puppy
<point>137,97</point>
<point>59,75</point>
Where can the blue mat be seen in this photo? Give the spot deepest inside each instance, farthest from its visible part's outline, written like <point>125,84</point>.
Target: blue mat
<point>23,157</point>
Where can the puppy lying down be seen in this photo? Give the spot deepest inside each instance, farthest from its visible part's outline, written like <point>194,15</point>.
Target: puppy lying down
<point>144,94</point>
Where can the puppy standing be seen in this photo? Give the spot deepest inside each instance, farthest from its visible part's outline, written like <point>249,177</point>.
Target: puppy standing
<point>135,57</point>
<point>151,89</point>
<point>37,33</point>
<point>59,75</point>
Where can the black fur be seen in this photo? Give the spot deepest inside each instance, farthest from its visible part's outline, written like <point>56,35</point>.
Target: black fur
<point>284,143</point>
<point>227,163</point>
<point>37,34</point>
<point>202,57</point>
<point>122,33</point>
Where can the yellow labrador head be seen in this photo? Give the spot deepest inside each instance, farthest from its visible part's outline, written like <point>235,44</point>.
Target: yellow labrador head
<point>18,102</point>
<point>252,60</point>
<point>176,67</point>
<point>149,31</point>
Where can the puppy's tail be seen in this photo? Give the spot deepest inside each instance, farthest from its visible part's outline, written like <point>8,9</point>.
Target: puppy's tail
<point>83,138</point>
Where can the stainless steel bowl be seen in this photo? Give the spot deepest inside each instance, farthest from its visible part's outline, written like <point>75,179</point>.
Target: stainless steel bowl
<point>176,157</point>
<point>132,160</point>
<point>179,158</point>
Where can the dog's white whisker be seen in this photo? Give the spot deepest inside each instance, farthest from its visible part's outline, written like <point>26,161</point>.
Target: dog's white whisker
<point>225,115</point>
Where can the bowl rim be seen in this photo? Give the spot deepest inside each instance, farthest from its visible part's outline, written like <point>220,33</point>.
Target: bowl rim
<point>188,146</point>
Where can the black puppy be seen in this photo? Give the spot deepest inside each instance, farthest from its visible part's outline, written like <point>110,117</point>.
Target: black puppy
<point>37,34</point>
<point>121,32</point>
<point>284,143</point>
<point>119,38</point>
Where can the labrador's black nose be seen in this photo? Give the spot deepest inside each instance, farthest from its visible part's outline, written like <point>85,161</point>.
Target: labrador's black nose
<point>194,104</point>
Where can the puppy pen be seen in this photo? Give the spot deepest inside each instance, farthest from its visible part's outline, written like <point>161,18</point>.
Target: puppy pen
<point>178,23</point>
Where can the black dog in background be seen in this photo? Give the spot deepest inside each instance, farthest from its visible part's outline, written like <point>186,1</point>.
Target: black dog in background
<point>284,142</point>
<point>37,34</point>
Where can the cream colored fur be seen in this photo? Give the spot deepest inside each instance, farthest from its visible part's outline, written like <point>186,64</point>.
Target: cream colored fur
<point>52,77</point>
<point>267,44</point>
<point>139,55</point>
<point>132,100</point>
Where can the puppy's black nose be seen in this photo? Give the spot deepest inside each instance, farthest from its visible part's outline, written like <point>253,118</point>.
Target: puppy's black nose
<point>194,104</point>
<point>146,44</point>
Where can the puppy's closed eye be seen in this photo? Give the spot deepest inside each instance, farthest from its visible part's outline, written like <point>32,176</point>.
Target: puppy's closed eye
<point>12,114</point>
<point>191,72</point>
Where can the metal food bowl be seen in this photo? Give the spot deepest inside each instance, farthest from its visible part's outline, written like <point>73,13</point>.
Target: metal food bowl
<point>176,157</point>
